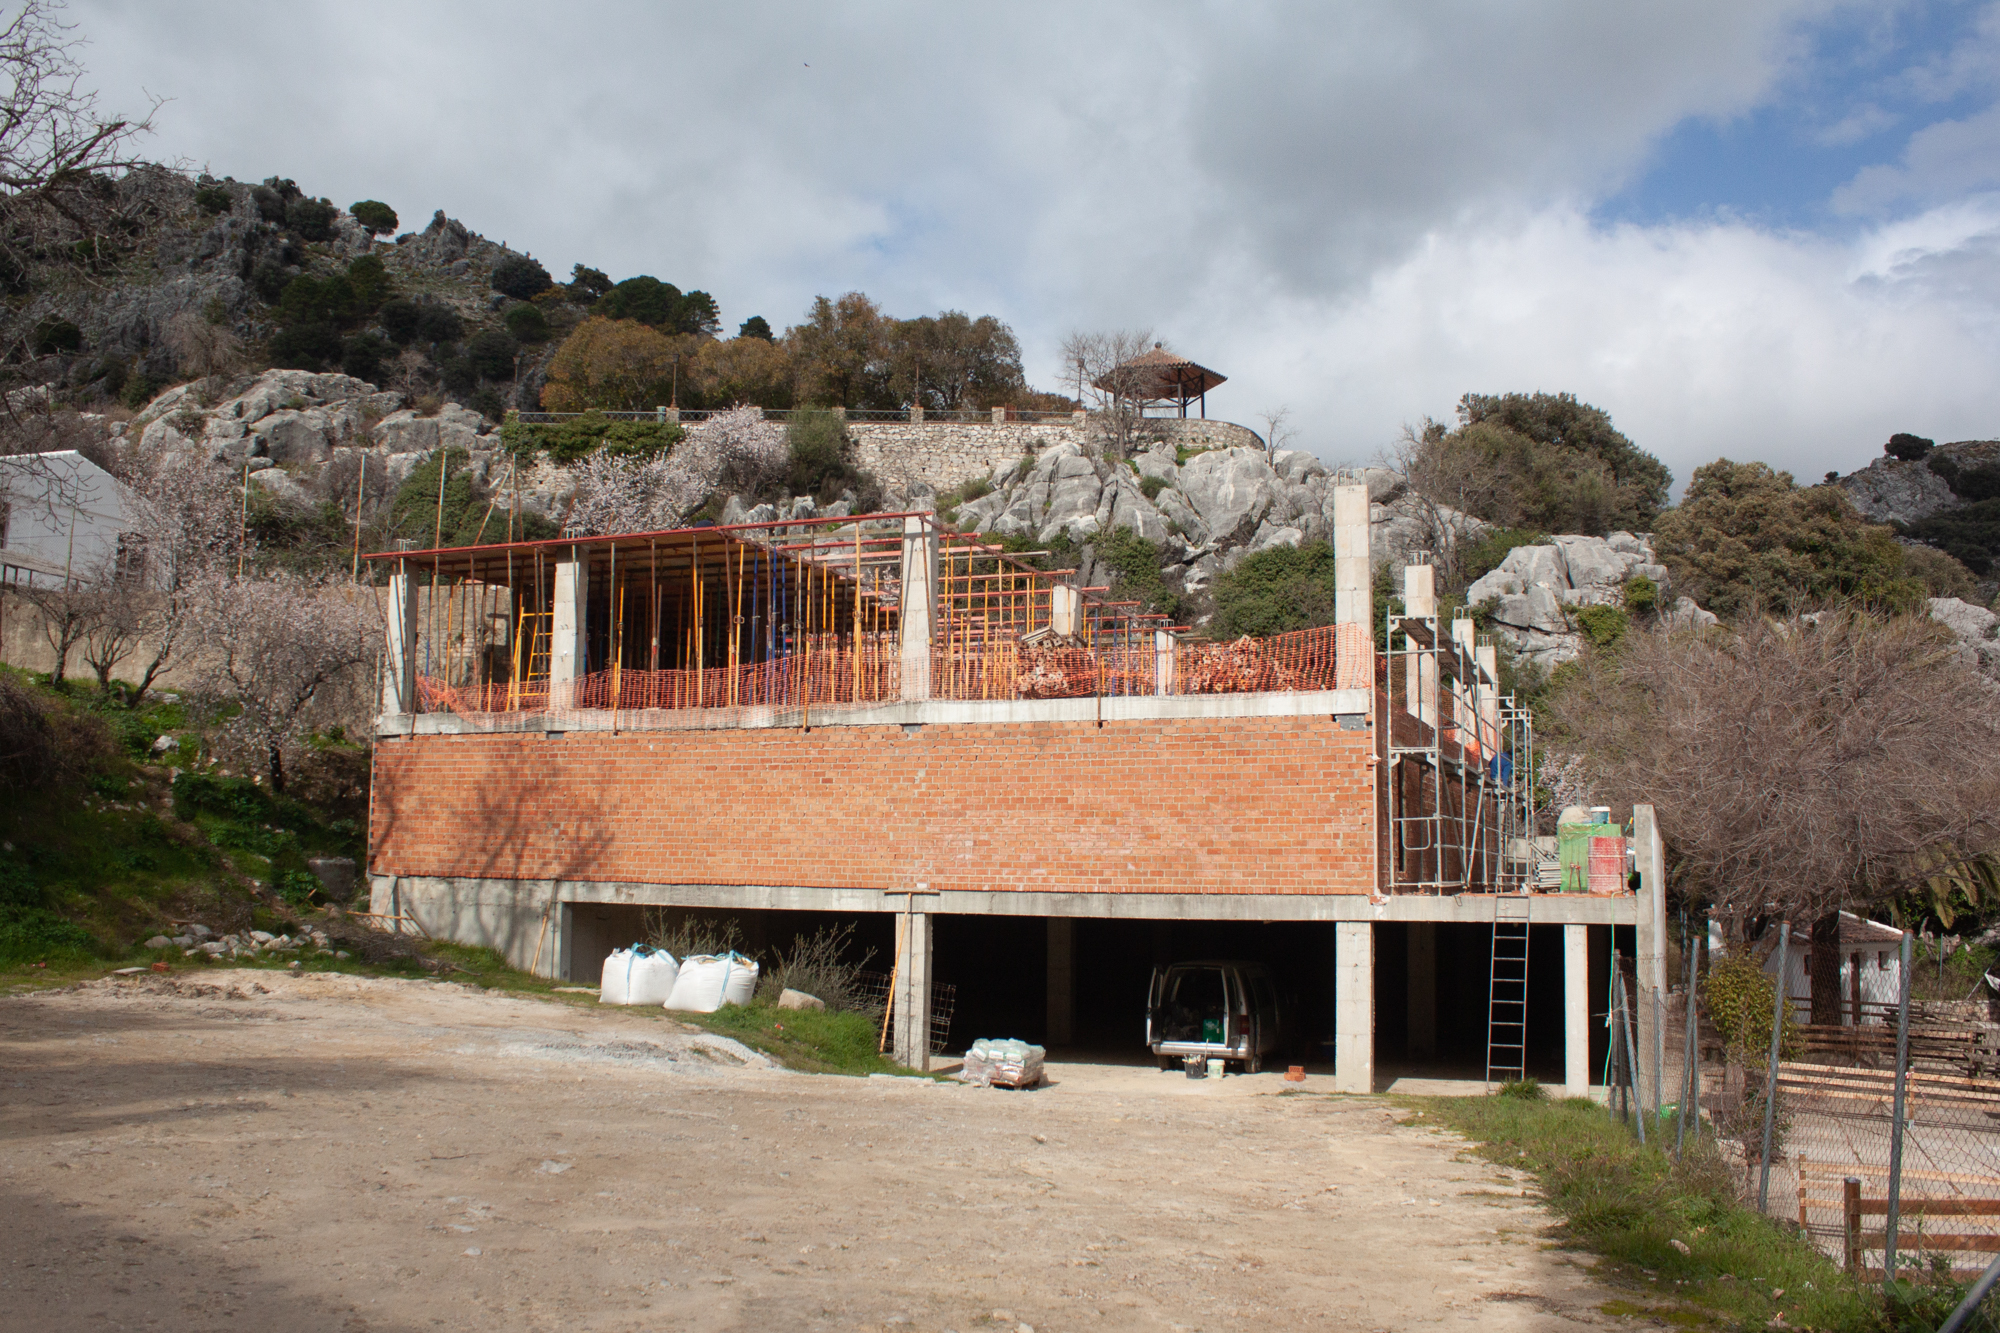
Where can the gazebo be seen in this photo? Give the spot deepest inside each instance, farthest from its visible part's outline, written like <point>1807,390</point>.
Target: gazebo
<point>1160,376</point>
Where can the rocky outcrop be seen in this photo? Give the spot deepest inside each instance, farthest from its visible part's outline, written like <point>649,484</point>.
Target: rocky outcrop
<point>1534,589</point>
<point>1894,490</point>
<point>1977,631</point>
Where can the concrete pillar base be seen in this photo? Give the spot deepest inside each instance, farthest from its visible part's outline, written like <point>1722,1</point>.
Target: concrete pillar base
<point>1354,1006</point>
<point>1576,1011</point>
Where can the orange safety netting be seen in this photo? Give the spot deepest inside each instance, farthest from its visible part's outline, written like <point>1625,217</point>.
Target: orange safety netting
<point>1331,657</point>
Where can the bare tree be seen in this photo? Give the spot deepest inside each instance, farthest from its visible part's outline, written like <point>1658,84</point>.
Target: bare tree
<point>53,135</point>
<point>68,609</point>
<point>1111,389</point>
<point>1445,487</point>
<point>616,494</point>
<point>188,517</point>
<point>280,649</point>
<point>1799,767</point>
<point>202,348</point>
<point>1277,432</point>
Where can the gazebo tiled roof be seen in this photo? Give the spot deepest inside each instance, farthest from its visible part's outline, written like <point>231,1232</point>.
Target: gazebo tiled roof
<point>1164,376</point>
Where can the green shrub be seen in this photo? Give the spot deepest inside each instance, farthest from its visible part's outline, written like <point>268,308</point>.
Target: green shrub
<point>1523,1089</point>
<point>520,277</point>
<point>492,354</point>
<point>139,389</point>
<point>528,323</point>
<point>311,218</point>
<point>368,279</point>
<point>1604,627</point>
<point>579,437</point>
<point>1908,447</point>
<point>269,280</point>
<point>1641,595</point>
<point>1150,487</point>
<point>438,323</point>
<point>1969,534</point>
<point>306,347</point>
<point>33,935</point>
<point>236,799</point>
<point>310,300</point>
<point>361,356</point>
<point>1739,997</point>
<point>1275,590</point>
<point>212,197</point>
<point>57,336</point>
<point>1134,563</point>
<point>816,446</point>
<point>271,198</point>
<point>399,320</point>
<point>376,216</point>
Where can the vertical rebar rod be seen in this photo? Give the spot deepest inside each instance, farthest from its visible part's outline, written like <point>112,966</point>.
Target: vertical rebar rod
<point>1690,1073</point>
<point>1771,1075</point>
<point>1896,1126</point>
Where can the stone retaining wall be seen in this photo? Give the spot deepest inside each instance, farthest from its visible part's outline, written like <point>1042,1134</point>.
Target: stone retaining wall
<point>944,455</point>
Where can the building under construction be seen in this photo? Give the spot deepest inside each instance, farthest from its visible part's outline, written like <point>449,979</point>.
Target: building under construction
<point>1008,784</point>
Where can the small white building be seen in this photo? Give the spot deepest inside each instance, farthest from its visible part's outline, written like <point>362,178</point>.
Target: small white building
<point>61,517</point>
<point>1870,952</point>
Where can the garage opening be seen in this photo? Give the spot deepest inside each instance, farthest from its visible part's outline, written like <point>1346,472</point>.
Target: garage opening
<point>597,929</point>
<point>1078,986</point>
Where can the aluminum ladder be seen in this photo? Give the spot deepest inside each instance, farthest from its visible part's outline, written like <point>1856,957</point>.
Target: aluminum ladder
<point>1507,991</point>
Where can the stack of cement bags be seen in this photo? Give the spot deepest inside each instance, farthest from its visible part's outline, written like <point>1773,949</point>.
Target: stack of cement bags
<point>708,982</point>
<point>638,975</point>
<point>1005,1064</point>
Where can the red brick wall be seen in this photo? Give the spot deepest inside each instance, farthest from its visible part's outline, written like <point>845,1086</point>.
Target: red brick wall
<point>1238,805</point>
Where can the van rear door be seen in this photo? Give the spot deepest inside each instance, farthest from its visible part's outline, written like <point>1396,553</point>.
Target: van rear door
<point>1154,991</point>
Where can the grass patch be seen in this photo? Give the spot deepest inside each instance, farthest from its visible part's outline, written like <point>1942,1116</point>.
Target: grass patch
<point>820,1041</point>
<point>1629,1203</point>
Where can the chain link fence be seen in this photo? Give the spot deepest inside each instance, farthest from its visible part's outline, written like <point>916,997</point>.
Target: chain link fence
<point>1878,1137</point>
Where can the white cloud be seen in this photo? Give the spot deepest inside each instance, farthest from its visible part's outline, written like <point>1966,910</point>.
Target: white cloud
<point>1362,209</point>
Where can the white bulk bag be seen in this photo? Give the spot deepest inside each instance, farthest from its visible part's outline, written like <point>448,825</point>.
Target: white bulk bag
<point>638,975</point>
<point>707,982</point>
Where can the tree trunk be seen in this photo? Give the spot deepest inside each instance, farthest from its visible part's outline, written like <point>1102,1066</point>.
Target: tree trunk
<point>278,779</point>
<point>1826,998</point>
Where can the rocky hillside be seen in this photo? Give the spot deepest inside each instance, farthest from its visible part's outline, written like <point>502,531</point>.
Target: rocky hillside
<point>204,276</point>
<point>1945,495</point>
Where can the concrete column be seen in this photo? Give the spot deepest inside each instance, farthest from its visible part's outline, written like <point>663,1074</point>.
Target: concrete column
<point>999,415</point>
<point>399,635</point>
<point>917,613</point>
<point>1164,646</point>
<point>1353,600</point>
<point>1423,990</point>
<point>1576,1011</point>
<point>1420,684</point>
<point>1354,1006</point>
<point>912,1036</point>
<point>568,644</point>
<point>916,414</point>
<point>1062,981</point>
<point>1651,952</point>
<point>1489,696</point>
<point>1065,610</point>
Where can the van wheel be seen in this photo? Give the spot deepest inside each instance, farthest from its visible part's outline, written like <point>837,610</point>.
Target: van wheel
<point>1253,1065</point>
<point>1169,1063</point>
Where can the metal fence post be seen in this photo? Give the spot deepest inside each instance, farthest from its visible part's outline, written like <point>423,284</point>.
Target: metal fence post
<point>1637,1096</point>
<point>1690,1072</point>
<point>1896,1127</point>
<point>1771,1078</point>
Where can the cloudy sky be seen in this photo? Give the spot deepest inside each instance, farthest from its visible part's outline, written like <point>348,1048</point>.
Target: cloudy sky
<point>1753,228</point>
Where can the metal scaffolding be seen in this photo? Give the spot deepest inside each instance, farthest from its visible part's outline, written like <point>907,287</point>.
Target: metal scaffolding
<point>1459,757</point>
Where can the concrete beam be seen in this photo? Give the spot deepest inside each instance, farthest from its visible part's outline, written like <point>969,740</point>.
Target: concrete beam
<point>936,712</point>
<point>1354,1007</point>
<point>399,642</point>
<point>1576,1011</point>
<point>1463,909</point>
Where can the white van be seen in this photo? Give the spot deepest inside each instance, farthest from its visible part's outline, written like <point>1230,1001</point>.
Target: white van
<point>1217,1010</point>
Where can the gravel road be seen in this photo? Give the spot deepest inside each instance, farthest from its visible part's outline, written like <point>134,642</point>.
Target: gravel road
<point>242,1149</point>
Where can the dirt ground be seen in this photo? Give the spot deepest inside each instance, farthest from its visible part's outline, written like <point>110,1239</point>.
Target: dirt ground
<point>239,1149</point>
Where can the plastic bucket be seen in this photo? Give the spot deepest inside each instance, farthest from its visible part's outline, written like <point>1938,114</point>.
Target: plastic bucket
<point>1607,864</point>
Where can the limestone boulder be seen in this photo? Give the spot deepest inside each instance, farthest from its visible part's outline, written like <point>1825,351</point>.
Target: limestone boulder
<point>1975,628</point>
<point>1231,489</point>
<point>295,437</point>
<point>1296,466</point>
<point>281,485</point>
<point>1589,564</point>
<point>1270,534</point>
<point>1893,490</point>
<point>1179,515</point>
<point>1073,490</point>
<point>1131,509</point>
<point>1686,614</point>
<point>1534,609</point>
<point>1158,460</point>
